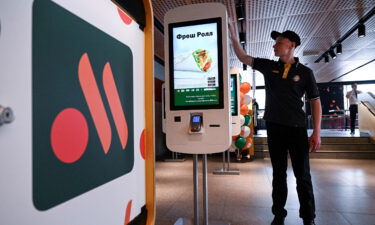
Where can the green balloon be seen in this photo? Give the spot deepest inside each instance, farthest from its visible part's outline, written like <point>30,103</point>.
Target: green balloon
<point>240,142</point>
<point>247,120</point>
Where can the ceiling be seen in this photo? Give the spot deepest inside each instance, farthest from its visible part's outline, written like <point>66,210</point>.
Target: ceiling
<point>318,22</point>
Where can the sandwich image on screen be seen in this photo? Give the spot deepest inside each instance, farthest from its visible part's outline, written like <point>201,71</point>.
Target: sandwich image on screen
<point>196,61</point>
<point>195,64</point>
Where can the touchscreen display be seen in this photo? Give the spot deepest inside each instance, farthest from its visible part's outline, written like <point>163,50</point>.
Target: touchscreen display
<point>196,64</point>
<point>233,95</point>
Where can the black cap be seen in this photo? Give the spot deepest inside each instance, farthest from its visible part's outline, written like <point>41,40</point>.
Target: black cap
<point>292,36</point>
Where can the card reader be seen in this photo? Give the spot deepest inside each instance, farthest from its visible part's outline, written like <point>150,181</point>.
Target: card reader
<point>196,123</point>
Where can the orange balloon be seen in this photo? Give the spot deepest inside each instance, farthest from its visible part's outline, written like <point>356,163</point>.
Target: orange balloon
<point>245,87</point>
<point>248,144</point>
<point>244,110</point>
<point>242,98</point>
<point>234,137</point>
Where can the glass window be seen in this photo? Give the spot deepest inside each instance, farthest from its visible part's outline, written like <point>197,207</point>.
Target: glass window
<point>360,87</point>
<point>260,95</point>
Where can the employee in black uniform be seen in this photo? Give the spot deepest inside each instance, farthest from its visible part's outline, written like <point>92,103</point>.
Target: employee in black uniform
<point>286,81</point>
<point>353,108</point>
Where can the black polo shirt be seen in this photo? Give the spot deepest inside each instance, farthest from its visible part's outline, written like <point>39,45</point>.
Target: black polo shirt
<point>285,86</point>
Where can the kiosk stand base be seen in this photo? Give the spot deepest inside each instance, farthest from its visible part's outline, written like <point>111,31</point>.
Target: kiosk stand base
<point>174,158</point>
<point>226,170</point>
<point>186,221</point>
<point>195,221</point>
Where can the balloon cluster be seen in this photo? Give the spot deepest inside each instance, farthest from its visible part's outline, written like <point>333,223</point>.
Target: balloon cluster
<point>244,140</point>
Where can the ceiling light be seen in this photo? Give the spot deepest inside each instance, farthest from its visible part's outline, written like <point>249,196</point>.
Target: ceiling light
<point>242,37</point>
<point>339,49</point>
<point>240,11</point>
<point>361,30</point>
<point>326,58</point>
<point>360,26</point>
<point>332,54</point>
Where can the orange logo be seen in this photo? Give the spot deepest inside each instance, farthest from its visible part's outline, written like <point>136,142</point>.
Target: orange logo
<point>69,133</point>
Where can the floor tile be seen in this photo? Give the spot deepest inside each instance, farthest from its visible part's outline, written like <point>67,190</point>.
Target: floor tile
<point>359,219</point>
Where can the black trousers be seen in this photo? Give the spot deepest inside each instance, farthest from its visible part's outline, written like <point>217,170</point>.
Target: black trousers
<point>281,140</point>
<point>353,116</point>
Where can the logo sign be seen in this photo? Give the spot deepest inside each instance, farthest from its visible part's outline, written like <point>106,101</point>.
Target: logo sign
<point>296,78</point>
<point>82,106</point>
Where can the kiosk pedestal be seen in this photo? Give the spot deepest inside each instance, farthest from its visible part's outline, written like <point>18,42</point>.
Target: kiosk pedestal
<point>174,158</point>
<point>195,220</point>
<point>226,170</point>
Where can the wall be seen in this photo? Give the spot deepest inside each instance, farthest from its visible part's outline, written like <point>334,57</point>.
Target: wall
<point>45,48</point>
<point>161,150</point>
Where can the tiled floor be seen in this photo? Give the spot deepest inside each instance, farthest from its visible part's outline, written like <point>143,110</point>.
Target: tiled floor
<point>344,192</point>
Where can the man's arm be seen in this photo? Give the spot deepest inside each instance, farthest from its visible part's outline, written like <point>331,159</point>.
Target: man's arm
<point>241,54</point>
<point>348,94</point>
<point>316,111</point>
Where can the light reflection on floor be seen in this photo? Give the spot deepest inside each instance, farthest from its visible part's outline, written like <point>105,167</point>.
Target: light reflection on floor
<point>326,133</point>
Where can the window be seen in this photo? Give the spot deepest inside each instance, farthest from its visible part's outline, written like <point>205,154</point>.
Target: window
<point>360,87</point>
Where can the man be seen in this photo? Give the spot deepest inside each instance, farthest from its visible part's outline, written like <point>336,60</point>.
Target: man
<point>286,81</point>
<point>353,108</point>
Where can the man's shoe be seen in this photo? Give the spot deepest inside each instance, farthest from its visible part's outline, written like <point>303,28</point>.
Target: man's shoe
<point>308,222</point>
<point>278,220</point>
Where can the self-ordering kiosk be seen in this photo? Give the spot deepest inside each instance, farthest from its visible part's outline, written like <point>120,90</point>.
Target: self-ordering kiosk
<point>197,96</point>
<point>163,114</point>
<point>235,103</point>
